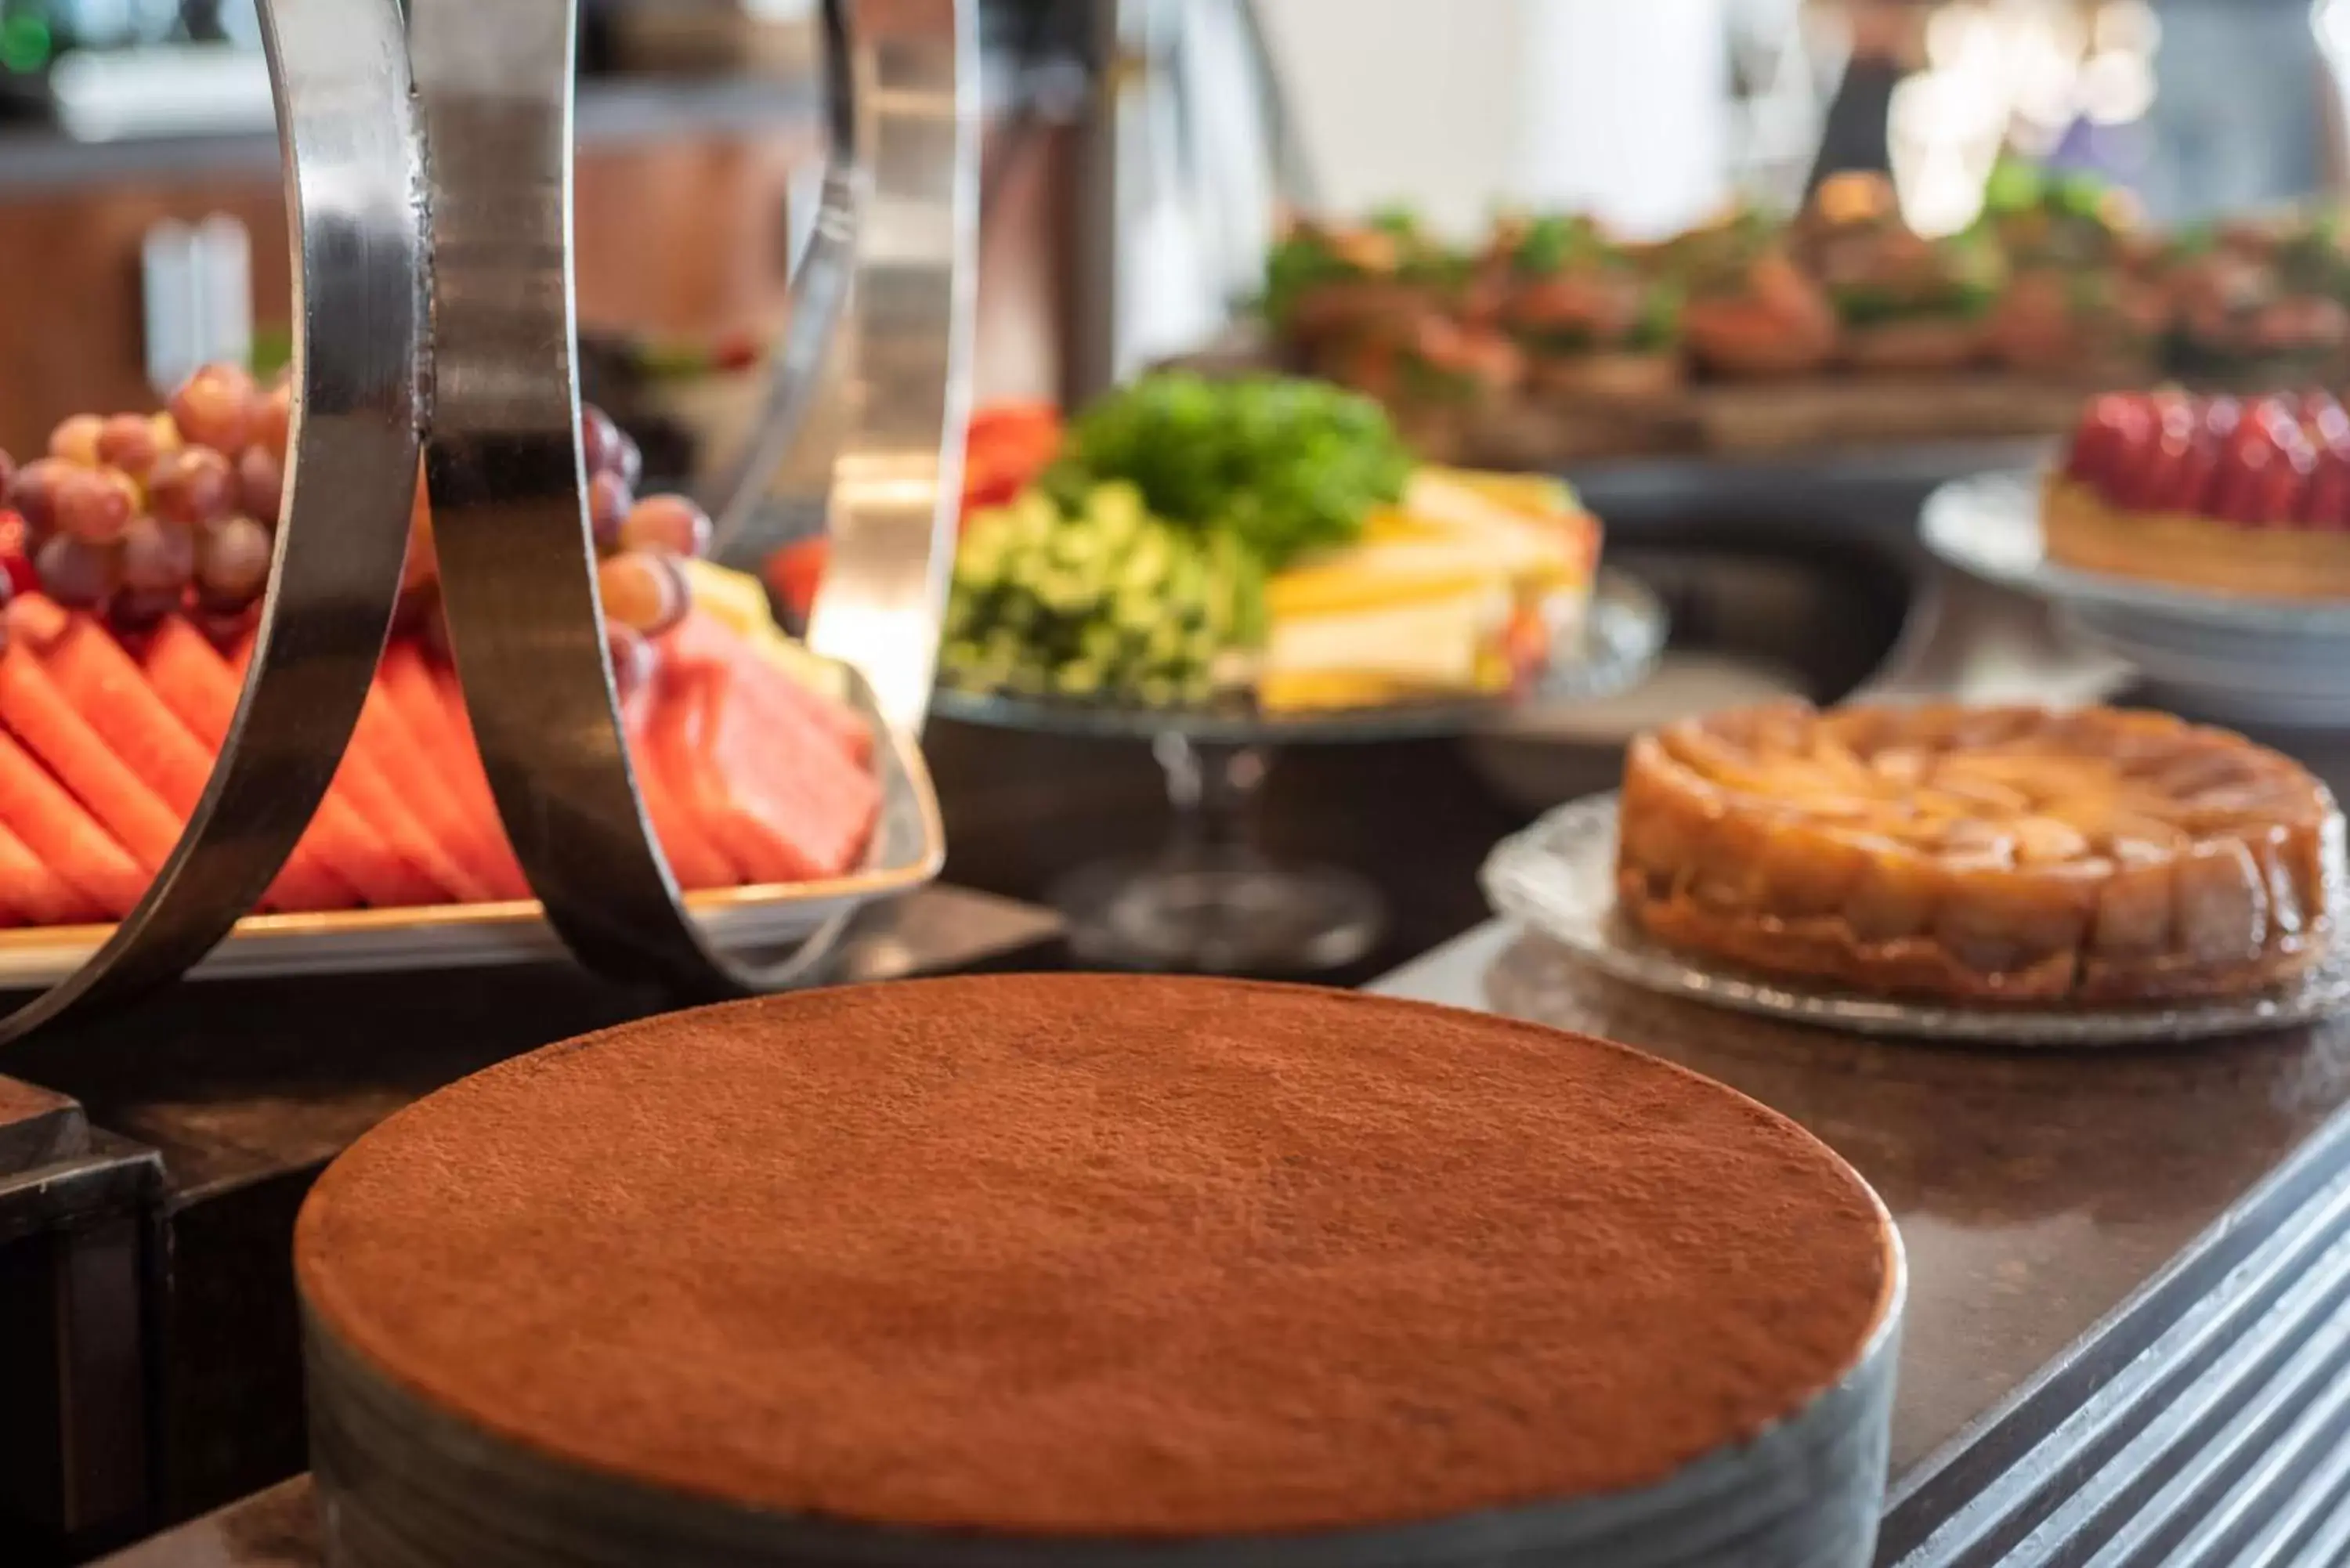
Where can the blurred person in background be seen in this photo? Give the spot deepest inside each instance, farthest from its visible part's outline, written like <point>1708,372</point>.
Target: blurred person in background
<point>2243,115</point>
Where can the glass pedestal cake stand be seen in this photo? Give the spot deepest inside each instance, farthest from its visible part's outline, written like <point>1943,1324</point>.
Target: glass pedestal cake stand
<point>1209,901</point>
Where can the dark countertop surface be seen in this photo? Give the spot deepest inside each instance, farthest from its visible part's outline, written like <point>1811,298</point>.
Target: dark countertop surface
<point>2034,1190</point>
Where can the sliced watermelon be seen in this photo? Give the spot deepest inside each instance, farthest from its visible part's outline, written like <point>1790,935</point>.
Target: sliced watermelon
<point>192,680</point>
<point>46,722</point>
<point>384,741</point>
<point>36,895</point>
<point>114,694</point>
<point>406,679</point>
<point>694,858</point>
<point>201,688</point>
<point>788,808</point>
<point>38,620</point>
<point>703,636</point>
<point>798,750</point>
<point>66,839</point>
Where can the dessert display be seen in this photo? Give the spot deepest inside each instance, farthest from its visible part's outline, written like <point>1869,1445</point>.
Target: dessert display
<point>1265,542</point>
<point>136,550</point>
<point>2207,494</point>
<point>1990,855</point>
<point>1549,340</point>
<point>1120,1264</point>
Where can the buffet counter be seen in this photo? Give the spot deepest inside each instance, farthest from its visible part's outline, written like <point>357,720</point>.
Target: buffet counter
<point>2128,1267</point>
<point>2124,1270</point>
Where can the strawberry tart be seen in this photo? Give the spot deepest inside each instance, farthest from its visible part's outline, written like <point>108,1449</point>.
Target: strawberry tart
<point>2212,493</point>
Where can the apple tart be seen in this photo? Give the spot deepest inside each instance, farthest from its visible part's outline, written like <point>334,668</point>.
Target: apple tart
<point>1980,853</point>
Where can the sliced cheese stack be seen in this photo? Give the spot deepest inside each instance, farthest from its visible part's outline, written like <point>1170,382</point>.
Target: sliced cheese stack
<point>1459,592</point>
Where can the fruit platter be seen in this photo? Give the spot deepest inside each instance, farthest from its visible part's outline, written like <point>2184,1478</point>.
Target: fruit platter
<point>1552,340</point>
<point>136,548</point>
<point>2203,537</point>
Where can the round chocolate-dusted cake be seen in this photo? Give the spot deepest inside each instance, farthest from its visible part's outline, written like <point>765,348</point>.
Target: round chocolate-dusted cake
<point>1087,1270</point>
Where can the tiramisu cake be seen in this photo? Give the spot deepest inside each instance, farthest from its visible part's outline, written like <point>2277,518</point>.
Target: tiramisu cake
<point>1078,1269</point>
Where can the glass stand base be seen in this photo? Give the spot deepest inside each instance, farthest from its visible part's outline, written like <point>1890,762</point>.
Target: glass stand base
<point>1226,912</point>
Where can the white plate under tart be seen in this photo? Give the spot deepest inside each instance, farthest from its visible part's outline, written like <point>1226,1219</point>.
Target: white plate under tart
<point>1988,527</point>
<point>1559,878</point>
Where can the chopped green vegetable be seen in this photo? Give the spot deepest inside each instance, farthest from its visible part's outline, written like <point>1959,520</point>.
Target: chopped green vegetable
<point>1102,600</point>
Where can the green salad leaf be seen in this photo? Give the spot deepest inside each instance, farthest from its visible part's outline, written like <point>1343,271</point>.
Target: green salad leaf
<point>1283,465</point>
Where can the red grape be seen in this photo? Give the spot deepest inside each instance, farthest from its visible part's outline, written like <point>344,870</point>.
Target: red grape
<point>35,493</point>
<point>668,522</point>
<point>75,574</point>
<point>607,508</point>
<point>158,557</point>
<point>599,440</point>
<point>233,562</point>
<point>191,486</point>
<point>631,657</point>
<point>136,610</point>
<point>643,590</point>
<point>76,440</point>
<point>95,505</point>
<point>260,484</point>
<point>129,442</point>
<point>273,420</point>
<point>213,408</point>
<point>630,464</point>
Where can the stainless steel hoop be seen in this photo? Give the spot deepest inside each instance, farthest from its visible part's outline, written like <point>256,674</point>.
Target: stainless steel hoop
<point>354,183</point>
<point>495,85</point>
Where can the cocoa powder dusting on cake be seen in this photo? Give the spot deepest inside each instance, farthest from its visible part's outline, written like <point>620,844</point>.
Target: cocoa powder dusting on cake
<point>1076,1255</point>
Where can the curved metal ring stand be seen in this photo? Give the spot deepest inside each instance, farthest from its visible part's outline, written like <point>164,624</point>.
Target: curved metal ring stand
<point>339,71</point>
<point>495,85</point>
